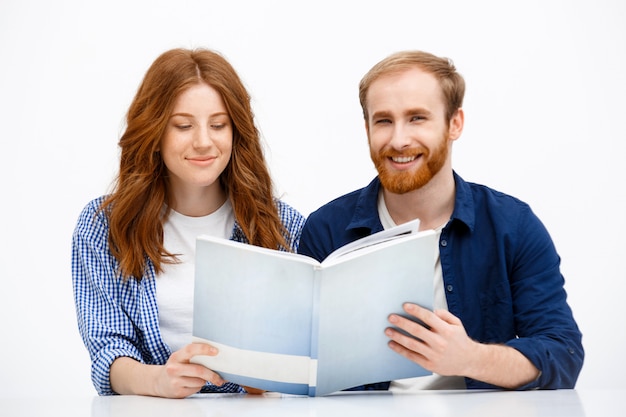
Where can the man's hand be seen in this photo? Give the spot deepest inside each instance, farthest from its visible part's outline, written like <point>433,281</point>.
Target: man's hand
<point>442,346</point>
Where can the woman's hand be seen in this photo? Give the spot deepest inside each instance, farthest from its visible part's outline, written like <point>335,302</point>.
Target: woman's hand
<point>178,378</point>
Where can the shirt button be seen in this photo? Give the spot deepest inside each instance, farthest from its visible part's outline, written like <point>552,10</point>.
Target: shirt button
<point>444,243</point>
<point>449,288</point>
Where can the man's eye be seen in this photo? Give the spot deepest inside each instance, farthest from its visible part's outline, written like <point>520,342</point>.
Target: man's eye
<point>382,121</point>
<point>417,118</point>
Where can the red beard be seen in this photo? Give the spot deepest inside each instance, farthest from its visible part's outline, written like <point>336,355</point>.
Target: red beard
<point>405,181</point>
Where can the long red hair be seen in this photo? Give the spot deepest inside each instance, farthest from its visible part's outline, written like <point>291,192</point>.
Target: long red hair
<point>135,207</point>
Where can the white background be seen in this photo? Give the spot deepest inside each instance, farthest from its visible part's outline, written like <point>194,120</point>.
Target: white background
<point>544,122</point>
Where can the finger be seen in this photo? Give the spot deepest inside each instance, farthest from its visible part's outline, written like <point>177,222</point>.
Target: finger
<point>179,364</point>
<point>201,349</point>
<point>185,354</point>
<point>407,340</point>
<point>203,373</point>
<point>448,317</point>
<point>195,382</point>
<point>423,315</point>
<point>411,326</point>
<point>407,347</point>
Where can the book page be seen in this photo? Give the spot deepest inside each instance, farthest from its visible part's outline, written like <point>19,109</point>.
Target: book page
<point>356,297</point>
<point>373,239</point>
<point>257,311</point>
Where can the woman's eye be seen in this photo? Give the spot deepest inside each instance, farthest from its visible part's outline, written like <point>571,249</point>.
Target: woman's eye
<point>183,126</point>
<point>218,126</point>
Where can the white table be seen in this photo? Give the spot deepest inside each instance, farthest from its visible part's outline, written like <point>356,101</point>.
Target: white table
<point>559,403</point>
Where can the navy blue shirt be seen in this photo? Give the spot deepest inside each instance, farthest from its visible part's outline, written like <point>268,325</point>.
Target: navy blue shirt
<point>501,273</point>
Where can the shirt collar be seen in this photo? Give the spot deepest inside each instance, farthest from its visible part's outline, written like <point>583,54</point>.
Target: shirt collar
<point>366,209</point>
<point>464,210</point>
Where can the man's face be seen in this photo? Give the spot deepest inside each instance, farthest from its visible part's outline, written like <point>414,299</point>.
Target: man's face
<point>407,130</point>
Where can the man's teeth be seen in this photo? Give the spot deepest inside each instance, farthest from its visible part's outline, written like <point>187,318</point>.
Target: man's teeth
<point>403,159</point>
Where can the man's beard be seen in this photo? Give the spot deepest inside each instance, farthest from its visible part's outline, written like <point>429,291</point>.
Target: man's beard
<point>405,181</point>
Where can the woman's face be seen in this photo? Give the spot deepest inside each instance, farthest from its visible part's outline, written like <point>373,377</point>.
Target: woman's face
<point>198,140</point>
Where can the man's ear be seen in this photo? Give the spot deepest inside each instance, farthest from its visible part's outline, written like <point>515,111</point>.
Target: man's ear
<point>456,124</point>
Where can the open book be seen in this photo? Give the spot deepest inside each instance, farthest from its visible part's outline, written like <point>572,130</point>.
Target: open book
<point>287,323</point>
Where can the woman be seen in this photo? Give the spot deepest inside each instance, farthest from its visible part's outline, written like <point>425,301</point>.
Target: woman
<point>191,163</point>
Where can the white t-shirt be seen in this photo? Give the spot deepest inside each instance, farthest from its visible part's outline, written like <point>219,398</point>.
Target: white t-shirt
<point>175,284</point>
<point>433,381</point>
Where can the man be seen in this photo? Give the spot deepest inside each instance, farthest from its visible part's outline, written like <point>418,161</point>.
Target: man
<point>501,317</point>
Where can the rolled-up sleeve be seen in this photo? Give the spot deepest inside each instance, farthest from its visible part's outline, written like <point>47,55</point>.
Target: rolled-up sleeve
<point>105,328</point>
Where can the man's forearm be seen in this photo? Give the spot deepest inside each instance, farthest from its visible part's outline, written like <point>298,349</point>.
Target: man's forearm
<point>502,366</point>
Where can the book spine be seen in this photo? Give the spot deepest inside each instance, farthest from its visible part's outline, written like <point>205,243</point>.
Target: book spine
<point>315,322</point>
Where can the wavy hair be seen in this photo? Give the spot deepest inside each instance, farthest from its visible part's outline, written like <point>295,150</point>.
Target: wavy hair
<point>135,206</point>
<point>451,82</point>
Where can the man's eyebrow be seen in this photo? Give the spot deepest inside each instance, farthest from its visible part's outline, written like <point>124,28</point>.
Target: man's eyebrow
<point>417,110</point>
<point>381,113</point>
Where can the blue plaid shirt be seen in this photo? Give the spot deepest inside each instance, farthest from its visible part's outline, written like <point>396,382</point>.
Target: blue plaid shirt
<point>119,317</point>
